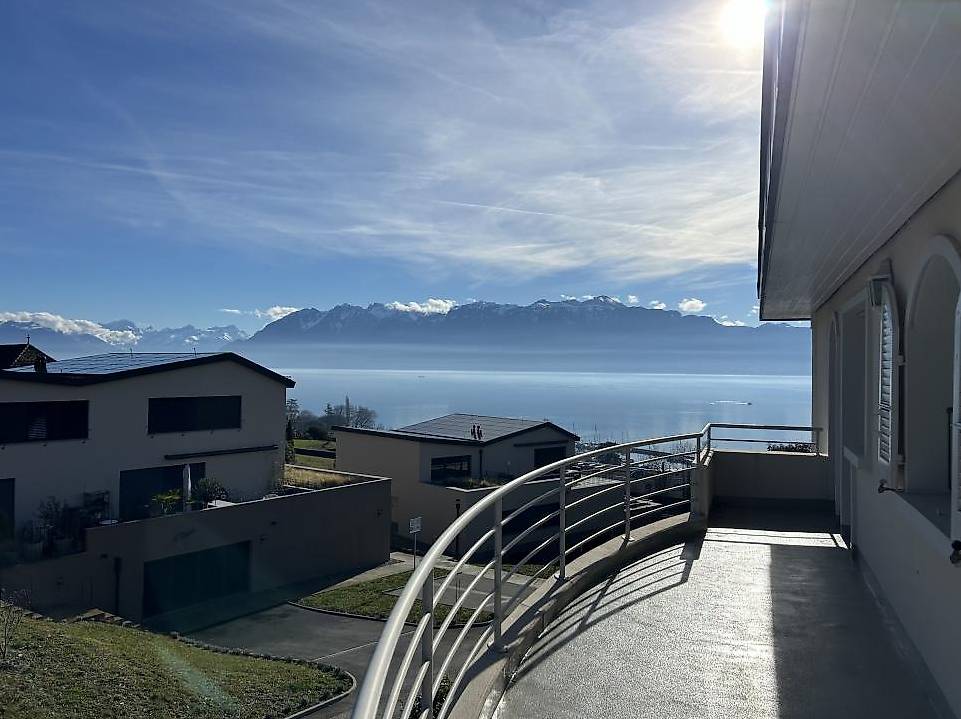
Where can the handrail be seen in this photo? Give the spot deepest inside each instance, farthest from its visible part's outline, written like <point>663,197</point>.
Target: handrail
<point>370,695</point>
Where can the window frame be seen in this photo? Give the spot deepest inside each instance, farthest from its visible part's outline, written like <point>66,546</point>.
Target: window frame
<point>82,433</point>
<point>162,425</point>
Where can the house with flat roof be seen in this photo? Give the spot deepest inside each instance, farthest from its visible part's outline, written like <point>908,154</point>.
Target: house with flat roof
<point>126,478</point>
<point>440,466</point>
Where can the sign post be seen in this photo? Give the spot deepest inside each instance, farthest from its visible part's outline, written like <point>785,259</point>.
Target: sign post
<point>415,526</point>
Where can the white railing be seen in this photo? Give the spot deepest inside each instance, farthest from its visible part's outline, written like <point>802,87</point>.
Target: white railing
<point>627,470</point>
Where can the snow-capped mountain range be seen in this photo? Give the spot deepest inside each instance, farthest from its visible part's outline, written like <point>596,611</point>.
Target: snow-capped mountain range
<point>71,338</point>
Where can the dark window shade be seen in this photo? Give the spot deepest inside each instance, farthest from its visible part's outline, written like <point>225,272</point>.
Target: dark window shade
<point>43,421</point>
<point>443,469</point>
<point>189,414</point>
<point>549,455</point>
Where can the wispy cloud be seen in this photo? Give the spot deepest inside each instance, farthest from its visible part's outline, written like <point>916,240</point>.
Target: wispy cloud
<point>657,305</point>
<point>691,304</point>
<point>270,314</point>
<point>633,300</point>
<point>492,142</point>
<point>68,326</point>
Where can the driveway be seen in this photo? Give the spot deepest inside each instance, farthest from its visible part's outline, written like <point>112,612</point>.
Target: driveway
<point>292,631</point>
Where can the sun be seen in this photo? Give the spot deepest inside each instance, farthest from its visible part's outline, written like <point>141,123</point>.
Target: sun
<point>742,23</point>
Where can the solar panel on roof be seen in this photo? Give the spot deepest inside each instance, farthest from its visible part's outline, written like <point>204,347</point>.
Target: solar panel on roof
<point>116,362</point>
<point>458,426</point>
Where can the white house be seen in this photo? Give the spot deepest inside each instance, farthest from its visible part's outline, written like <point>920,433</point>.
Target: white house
<point>448,462</point>
<point>860,221</point>
<point>126,425</point>
<point>105,435</point>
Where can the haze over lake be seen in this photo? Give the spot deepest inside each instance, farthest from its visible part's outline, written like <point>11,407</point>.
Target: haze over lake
<point>611,403</point>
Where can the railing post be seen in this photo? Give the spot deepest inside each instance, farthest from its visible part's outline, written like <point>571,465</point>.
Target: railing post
<point>696,480</point>
<point>562,524</point>
<point>427,645</point>
<point>709,437</point>
<point>627,495</point>
<point>498,574</point>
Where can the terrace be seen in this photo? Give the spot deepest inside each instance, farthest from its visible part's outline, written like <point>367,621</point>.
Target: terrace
<point>731,592</point>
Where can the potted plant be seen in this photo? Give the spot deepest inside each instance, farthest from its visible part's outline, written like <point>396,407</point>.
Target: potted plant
<point>31,541</point>
<point>166,502</point>
<point>208,490</point>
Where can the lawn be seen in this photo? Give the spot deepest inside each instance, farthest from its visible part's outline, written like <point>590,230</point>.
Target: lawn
<point>328,444</point>
<point>89,669</point>
<point>370,599</point>
<point>315,478</point>
<point>316,462</point>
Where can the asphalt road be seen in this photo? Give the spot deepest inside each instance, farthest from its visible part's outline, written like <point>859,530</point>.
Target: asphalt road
<point>286,630</point>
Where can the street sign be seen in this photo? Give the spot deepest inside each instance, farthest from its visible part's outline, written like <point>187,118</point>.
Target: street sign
<point>415,523</point>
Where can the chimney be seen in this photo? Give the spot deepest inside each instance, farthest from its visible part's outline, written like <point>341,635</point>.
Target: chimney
<point>40,364</point>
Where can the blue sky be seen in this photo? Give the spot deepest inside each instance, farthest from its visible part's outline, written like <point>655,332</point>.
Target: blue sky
<point>164,162</point>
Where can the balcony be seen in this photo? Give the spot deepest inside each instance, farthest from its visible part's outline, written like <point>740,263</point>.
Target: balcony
<point>735,595</point>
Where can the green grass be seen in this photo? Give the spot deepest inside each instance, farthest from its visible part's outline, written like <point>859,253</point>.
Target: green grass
<point>88,669</point>
<point>315,444</point>
<point>370,599</point>
<point>317,462</point>
<point>315,478</point>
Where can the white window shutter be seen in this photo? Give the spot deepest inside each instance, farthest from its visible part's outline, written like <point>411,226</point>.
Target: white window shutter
<point>887,429</point>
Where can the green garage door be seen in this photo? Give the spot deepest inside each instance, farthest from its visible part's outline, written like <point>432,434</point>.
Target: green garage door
<point>178,582</point>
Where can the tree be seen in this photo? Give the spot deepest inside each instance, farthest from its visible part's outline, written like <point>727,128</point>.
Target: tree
<point>289,454</point>
<point>350,415</point>
<point>293,409</point>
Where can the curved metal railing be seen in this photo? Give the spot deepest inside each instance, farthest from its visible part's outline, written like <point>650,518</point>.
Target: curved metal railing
<point>628,471</point>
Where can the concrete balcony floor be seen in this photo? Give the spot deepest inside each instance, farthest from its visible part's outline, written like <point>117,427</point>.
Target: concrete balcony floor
<point>767,616</point>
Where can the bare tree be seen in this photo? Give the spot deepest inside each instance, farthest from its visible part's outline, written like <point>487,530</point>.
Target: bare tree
<point>13,607</point>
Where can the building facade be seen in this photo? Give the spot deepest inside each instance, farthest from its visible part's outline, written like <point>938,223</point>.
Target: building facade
<point>437,467</point>
<point>119,429</point>
<point>860,226</point>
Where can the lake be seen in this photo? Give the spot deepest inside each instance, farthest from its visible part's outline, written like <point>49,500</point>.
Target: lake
<point>596,405</point>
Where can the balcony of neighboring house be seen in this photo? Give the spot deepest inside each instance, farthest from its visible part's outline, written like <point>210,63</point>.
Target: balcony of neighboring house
<point>730,592</point>
<point>177,563</point>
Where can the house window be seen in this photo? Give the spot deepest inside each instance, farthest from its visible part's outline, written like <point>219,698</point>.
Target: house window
<point>549,455</point>
<point>887,370</point>
<point>191,414</point>
<point>43,421</point>
<point>446,469</point>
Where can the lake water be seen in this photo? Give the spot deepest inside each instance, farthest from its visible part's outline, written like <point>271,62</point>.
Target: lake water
<point>595,405</point>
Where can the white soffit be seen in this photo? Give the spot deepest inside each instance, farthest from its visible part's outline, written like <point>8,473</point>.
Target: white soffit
<point>873,130</point>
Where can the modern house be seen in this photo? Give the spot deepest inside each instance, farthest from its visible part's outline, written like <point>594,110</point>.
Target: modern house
<point>793,584</point>
<point>97,457</point>
<point>441,466</point>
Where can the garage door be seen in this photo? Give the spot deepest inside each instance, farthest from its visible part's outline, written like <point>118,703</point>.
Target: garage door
<point>178,582</point>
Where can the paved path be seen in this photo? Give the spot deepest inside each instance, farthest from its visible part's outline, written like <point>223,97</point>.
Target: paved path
<point>752,622</point>
<point>346,642</point>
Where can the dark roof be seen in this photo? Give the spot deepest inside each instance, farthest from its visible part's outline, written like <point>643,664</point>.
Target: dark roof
<point>455,429</point>
<point>118,365</point>
<point>11,354</point>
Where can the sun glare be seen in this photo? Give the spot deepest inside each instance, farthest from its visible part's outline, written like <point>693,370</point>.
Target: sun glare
<point>742,22</point>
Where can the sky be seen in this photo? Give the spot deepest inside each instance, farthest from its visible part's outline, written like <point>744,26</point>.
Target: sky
<point>224,161</point>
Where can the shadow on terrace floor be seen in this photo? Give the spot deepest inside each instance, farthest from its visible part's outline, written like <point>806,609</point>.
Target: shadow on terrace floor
<point>767,616</point>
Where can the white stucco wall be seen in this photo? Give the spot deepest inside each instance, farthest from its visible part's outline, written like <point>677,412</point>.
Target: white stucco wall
<point>904,549</point>
<point>407,463</point>
<point>118,438</point>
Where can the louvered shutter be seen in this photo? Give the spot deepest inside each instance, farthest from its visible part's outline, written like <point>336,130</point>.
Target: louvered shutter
<point>886,384</point>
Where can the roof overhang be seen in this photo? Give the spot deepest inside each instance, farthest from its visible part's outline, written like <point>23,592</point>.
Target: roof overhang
<point>860,110</point>
<point>78,379</point>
